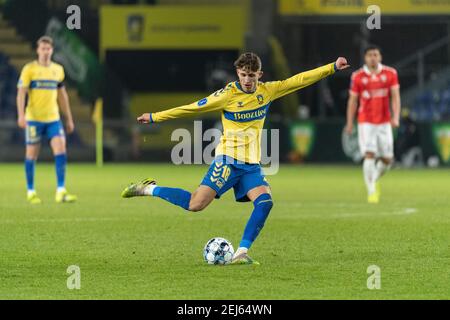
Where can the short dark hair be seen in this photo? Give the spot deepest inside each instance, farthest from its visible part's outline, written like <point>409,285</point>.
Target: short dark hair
<point>371,47</point>
<point>45,39</point>
<point>248,60</point>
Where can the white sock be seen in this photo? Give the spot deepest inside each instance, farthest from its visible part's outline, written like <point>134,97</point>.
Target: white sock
<point>60,189</point>
<point>30,192</point>
<point>240,250</point>
<point>380,169</point>
<point>369,174</point>
<point>148,190</point>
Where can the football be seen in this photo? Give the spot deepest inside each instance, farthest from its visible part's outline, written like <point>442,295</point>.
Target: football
<point>218,251</point>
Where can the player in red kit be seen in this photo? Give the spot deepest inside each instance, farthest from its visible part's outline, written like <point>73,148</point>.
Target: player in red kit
<point>375,87</point>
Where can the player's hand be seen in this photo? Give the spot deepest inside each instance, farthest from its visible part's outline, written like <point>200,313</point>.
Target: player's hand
<point>349,128</point>
<point>341,63</point>
<point>395,123</point>
<point>145,118</point>
<point>70,126</point>
<point>21,122</point>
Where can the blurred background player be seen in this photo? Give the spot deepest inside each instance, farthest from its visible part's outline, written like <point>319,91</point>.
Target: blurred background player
<point>374,86</point>
<point>244,105</point>
<point>42,80</point>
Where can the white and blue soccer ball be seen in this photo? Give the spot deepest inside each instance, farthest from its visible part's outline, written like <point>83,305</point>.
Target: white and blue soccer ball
<point>218,251</point>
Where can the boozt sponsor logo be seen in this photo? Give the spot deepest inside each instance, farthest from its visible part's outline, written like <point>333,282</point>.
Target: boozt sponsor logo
<point>43,84</point>
<point>250,115</point>
<point>245,116</point>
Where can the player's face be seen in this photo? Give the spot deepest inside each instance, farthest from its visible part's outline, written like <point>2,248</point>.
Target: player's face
<point>249,79</point>
<point>44,51</point>
<point>373,58</point>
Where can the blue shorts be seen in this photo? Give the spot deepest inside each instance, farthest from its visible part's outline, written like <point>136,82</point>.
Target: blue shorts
<point>226,172</point>
<point>35,130</point>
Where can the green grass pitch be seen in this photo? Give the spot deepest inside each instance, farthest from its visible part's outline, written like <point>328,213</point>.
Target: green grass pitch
<point>318,242</point>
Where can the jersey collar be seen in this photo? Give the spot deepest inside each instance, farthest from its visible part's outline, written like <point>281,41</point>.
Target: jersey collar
<point>238,85</point>
<point>367,70</point>
<point>41,65</point>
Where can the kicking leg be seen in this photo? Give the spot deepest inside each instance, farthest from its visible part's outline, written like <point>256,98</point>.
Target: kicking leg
<point>201,198</point>
<point>195,202</point>
<point>262,203</point>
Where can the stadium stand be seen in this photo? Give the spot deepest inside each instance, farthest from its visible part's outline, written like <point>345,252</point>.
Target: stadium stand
<point>15,52</point>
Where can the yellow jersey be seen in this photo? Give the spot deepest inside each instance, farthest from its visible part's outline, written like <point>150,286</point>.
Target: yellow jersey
<point>43,83</point>
<point>243,113</point>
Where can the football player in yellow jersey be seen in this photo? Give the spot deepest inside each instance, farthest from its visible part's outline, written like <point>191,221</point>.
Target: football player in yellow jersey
<point>244,105</point>
<point>42,80</point>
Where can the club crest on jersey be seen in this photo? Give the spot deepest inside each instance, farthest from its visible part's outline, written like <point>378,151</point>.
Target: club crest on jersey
<point>260,98</point>
<point>383,78</point>
<point>365,81</point>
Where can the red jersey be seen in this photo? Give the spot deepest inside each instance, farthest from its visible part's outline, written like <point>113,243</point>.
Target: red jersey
<point>374,92</point>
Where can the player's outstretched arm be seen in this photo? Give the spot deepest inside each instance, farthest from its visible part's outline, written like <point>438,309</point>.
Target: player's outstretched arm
<point>304,79</point>
<point>214,102</point>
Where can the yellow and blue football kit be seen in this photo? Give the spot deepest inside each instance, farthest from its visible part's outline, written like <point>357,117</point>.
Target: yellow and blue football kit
<point>243,114</point>
<point>237,161</point>
<point>238,154</point>
<point>42,112</point>
<point>43,120</point>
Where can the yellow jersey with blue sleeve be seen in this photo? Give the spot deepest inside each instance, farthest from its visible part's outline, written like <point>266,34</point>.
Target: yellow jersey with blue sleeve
<point>243,113</point>
<point>42,83</point>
